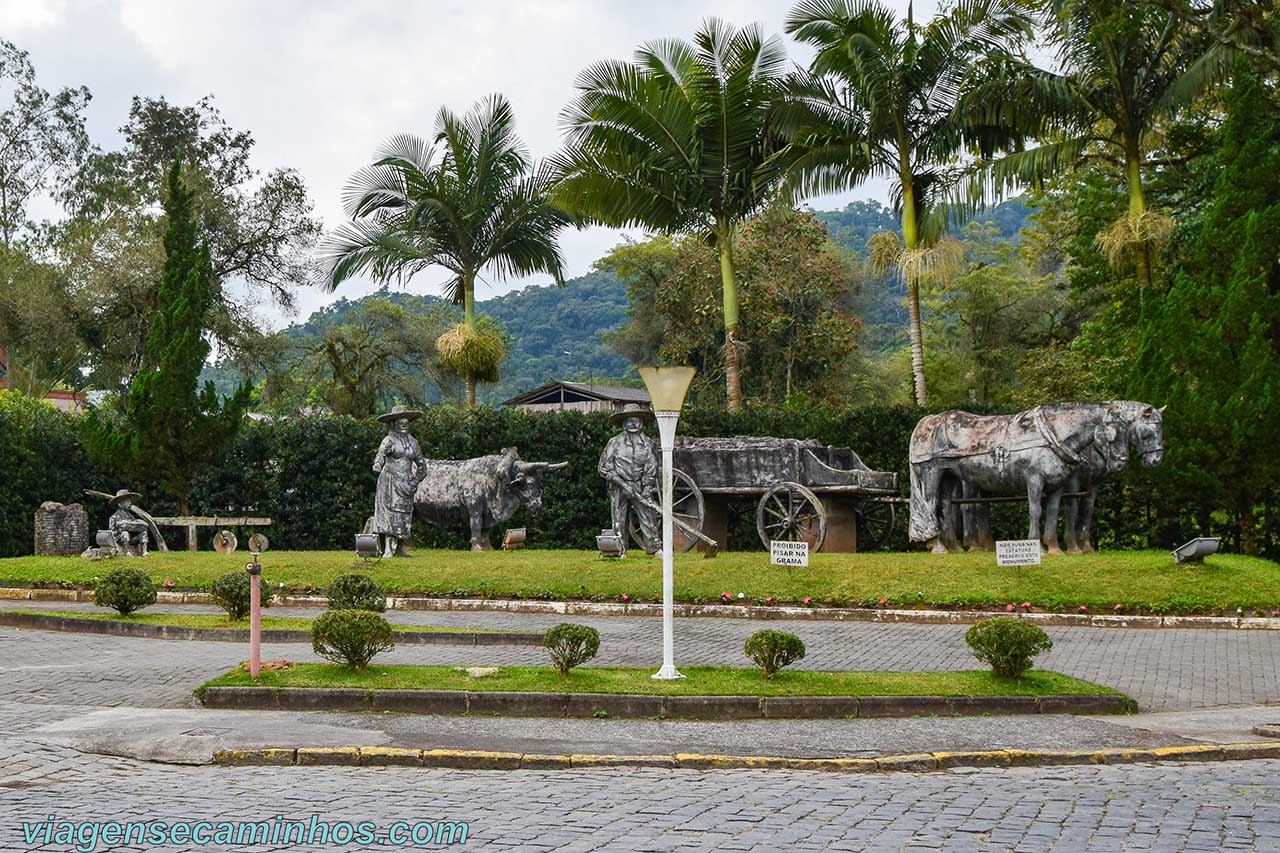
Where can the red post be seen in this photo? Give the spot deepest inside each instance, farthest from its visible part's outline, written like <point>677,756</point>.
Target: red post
<point>255,618</point>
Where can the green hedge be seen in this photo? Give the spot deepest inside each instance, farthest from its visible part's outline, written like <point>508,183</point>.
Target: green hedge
<point>41,459</point>
<point>314,476</point>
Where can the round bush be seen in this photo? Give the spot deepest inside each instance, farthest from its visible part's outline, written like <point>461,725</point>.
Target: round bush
<point>356,592</point>
<point>772,650</point>
<point>1009,645</point>
<point>351,637</point>
<point>231,593</point>
<point>571,645</point>
<point>126,590</point>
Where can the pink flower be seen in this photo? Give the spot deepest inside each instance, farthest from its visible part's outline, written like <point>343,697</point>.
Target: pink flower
<point>626,597</point>
<point>1026,605</point>
<point>1275,612</point>
<point>805,602</point>
<point>884,601</point>
<point>168,583</point>
<point>1119,607</point>
<point>724,596</point>
<point>1083,609</point>
<point>768,599</point>
<point>1008,608</point>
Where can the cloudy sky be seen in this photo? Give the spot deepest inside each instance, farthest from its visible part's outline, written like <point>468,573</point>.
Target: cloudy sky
<point>320,83</point>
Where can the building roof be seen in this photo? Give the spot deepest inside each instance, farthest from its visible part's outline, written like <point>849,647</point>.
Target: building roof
<point>577,392</point>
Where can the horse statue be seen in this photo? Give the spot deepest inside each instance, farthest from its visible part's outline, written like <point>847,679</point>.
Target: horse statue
<point>1046,452</point>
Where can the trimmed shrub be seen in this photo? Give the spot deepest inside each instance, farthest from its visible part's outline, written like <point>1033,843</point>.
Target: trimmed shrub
<point>351,637</point>
<point>126,590</point>
<point>571,645</point>
<point>231,593</point>
<point>772,650</point>
<point>356,592</point>
<point>1009,645</point>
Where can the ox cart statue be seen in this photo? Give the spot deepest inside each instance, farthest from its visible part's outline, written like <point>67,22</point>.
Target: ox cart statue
<point>804,491</point>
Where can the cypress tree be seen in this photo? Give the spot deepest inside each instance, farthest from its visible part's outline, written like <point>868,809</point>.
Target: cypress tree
<point>1212,348</point>
<point>171,427</point>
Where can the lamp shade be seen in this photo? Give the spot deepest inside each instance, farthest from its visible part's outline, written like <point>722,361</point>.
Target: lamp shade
<point>667,386</point>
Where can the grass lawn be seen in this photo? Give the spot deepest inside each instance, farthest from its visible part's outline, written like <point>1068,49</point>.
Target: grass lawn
<point>700,681</point>
<point>220,620</point>
<point>1141,581</point>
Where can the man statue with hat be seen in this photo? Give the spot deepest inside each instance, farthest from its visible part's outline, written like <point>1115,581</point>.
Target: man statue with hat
<point>128,530</point>
<point>400,465</point>
<point>630,464</point>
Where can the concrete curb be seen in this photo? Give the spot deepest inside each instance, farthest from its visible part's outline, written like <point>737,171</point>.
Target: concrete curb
<point>642,706</point>
<point>381,756</point>
<point>729,611</point>
<point>68,624</point>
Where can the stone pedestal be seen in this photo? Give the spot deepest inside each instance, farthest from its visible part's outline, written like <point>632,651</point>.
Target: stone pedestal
<point>842,525</point>
<point>62,530</point>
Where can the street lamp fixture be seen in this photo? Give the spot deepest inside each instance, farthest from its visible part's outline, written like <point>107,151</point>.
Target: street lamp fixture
<point>667,387</point>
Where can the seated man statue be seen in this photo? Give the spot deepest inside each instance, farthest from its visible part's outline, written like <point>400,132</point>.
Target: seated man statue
<point>129,532</point>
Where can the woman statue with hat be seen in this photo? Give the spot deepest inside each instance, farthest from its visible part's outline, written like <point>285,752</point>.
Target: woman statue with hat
<point>630,464</point>
<point>399,464</point>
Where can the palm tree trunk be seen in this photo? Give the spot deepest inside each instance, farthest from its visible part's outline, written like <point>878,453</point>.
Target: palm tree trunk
<point>469,317</point>
<point>732,378</point>
<point>1137,207</point>
<point>910,240</point>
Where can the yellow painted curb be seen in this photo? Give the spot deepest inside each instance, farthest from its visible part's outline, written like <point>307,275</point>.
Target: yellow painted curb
<point>471,759</point>
<point>347,756</point>
<point>390,756</point>
<point>465,759</point>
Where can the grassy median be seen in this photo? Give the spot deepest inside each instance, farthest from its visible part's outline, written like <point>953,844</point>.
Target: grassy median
<point>221,621</point>
<point>1140,581</point>
<point>699,681</point>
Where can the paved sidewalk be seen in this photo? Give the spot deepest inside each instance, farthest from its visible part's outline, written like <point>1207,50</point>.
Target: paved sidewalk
<point>1162,669</point>
<point>1215,806</point>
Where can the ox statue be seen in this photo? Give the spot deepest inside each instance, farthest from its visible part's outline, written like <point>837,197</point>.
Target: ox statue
<point>484,492</point>
<point>1046,453</point>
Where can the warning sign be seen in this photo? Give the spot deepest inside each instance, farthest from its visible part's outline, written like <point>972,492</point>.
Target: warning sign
<point>1018,552</point>
<point>788,553</point>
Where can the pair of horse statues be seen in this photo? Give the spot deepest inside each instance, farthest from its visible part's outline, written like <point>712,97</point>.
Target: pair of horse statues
<point>1059,455</point>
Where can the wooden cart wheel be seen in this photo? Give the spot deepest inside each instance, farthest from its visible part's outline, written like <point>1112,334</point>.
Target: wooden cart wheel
<point>686,504</point>
<point>792,513</point>
<point>875,524</point>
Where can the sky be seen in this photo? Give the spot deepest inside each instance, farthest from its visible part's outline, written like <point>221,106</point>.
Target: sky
<point>319,83</point>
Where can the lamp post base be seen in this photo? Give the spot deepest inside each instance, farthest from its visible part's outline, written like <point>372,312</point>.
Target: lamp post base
<point>667,673</point>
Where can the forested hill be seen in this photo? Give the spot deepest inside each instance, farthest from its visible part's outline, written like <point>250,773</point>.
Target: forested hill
<point>556,332</point>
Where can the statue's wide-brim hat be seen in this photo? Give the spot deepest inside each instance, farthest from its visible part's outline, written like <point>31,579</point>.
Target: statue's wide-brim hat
<point>121,495</point>
<point>632,410</point>
<point>398,412</point>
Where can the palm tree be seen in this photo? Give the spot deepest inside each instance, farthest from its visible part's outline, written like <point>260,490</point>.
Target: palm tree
<point>879,100</point>
<point>472,200</point>
<point>1124,66</point>
<point>681,140</point>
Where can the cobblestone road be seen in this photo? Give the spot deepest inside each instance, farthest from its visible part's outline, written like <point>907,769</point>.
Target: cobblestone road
<point>1160,668</point>
<point>1137,807</point>
<point>1231,805</point>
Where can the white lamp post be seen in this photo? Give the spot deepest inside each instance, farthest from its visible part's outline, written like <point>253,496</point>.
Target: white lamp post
<point>667,387</point>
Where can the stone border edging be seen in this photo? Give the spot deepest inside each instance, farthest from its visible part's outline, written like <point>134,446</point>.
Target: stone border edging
<point>69,624</point>
<point>637,706</point>
<point>383,756</point>
<point>731,611</point>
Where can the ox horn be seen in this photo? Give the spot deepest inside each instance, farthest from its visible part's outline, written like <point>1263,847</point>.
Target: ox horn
<point>1162,408</point>
<point>547,466</point>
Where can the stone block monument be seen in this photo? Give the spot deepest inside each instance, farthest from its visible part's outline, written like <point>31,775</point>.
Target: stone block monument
<point>62,530</point>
